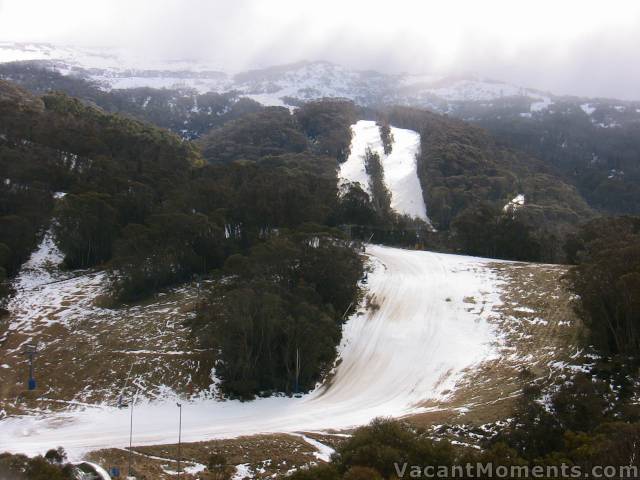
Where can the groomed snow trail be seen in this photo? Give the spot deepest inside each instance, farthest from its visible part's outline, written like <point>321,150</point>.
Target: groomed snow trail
<point>414,347</point>
<point>364,134</point>
<point>400,174</point>
<point>400,166</point>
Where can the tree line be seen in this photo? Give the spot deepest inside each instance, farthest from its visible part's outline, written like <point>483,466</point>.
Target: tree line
<point>606,252</point>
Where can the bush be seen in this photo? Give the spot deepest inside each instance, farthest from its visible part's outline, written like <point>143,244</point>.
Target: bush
<point>385,442</point>
<point>50,467</point>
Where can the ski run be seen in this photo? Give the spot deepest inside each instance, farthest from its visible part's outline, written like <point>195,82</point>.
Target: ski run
<point>400,174</point>
<point>412,347</point>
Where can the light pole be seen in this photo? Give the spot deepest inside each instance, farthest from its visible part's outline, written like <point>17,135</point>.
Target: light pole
<point>179,438</point>
<point>131,432</point>
<point>297,384</point>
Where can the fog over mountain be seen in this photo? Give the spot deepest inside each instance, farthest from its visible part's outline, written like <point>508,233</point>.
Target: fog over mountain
<point>574,47</point>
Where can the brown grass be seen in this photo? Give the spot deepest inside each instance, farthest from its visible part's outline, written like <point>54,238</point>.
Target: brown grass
<point>266,455</point>
<point>89,360</point>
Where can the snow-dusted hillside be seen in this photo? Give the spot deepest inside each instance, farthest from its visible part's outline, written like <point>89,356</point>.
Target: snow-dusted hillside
<point>280,85</point>
<point>400,175</point>
<point>413,348</point>
<point>88,353</point>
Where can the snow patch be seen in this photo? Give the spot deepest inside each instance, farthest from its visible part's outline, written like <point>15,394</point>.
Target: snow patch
<point>541,103</point>
<point>588,108</point>
<point>323,453</point>
<point>515,203</point>
<point>242,471</point>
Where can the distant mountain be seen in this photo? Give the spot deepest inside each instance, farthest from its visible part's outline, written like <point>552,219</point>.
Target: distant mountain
<point>280,85</point>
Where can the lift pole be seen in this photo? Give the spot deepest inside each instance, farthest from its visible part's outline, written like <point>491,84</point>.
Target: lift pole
<point>31,351</point>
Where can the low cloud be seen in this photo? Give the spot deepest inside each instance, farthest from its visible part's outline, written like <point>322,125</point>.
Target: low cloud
<point>571,47</point>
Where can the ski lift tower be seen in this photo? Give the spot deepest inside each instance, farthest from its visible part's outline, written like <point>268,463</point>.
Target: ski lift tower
<point>31,351</point>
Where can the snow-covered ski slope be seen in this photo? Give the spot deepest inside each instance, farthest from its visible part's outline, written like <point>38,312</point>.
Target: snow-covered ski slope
<point>412,348</point>
<point>364,134</point>
<point>400,174</point>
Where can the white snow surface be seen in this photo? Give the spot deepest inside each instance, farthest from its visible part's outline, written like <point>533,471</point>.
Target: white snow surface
<point>400,174</point>
<point>324,451</point>
<point>540,104</point>
<point>515,203</point>
<point>242,471</point>
<point>588,108</point>
<point>412,349</point>
<point>41,286</point>
<point>364,134</point>
<point>474,89</point>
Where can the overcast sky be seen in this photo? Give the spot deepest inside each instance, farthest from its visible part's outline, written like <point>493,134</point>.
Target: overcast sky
<point>581,47</point>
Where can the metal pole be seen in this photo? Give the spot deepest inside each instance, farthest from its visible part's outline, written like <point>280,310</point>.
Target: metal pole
<point>30,365</point>
<point>131,435</point>
<point>347,310</point>
<point>297,387</point>
<point>31,351</point>
<point>179,439</point>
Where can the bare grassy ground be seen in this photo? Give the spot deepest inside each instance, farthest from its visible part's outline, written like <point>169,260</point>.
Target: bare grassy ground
<point>88,353</point>
<point>264,456</point>
<point>538,330</point>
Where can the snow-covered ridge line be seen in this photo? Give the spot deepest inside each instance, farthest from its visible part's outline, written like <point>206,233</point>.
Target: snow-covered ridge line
<point>400,166</point>
<point>415,347</point>
<point>113,68</point>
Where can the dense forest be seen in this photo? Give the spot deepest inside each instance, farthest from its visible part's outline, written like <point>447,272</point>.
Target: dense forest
<point>607,279</point>
<point>277,316</point>
<point>183,111</point>
<point>602,163</point>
